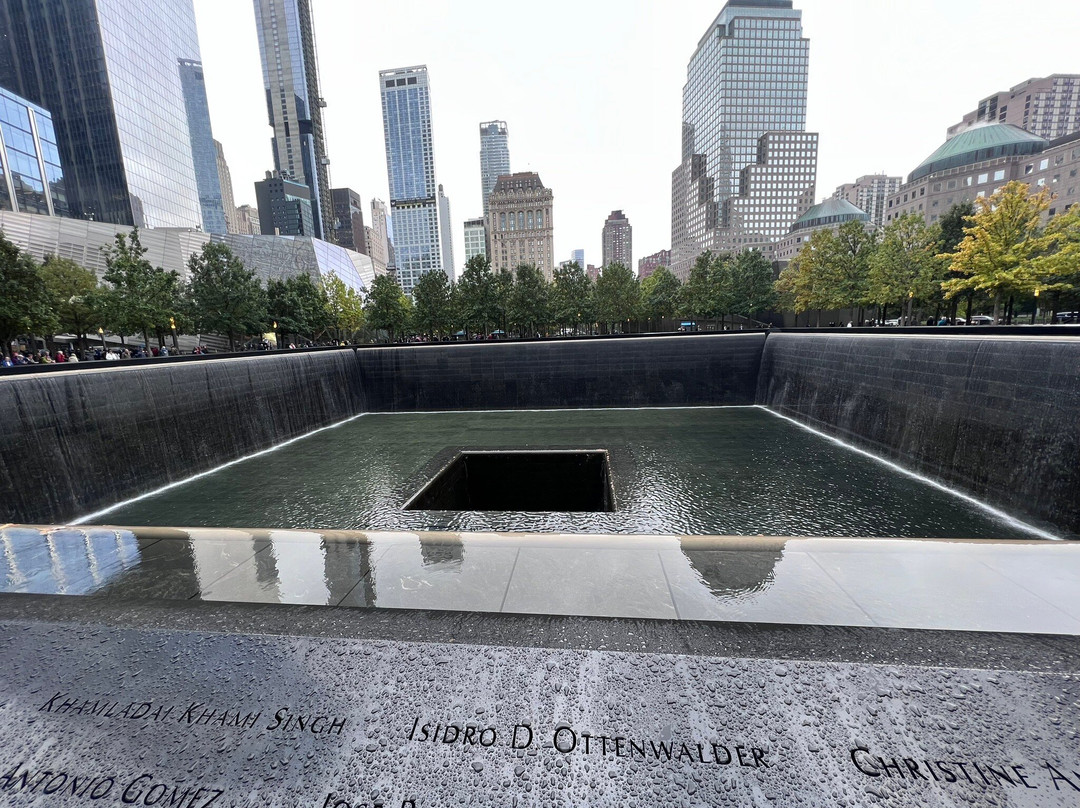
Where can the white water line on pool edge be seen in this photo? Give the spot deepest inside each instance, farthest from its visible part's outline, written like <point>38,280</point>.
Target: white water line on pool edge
<point>574,409</point>
<point>1012,521</point>
<point>82,520</point>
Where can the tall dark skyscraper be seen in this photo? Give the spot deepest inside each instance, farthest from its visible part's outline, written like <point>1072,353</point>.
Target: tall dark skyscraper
<point>747,77</point>
<point>109,71</point>
<point>293,101</point>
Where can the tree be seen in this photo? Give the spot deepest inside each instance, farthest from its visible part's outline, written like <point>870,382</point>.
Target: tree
<point>529,301</point>
<point>618,298</point>
<point>1059,270</point>
<point>26,307</point>
<point>225,296</point>
<point>660,295</point>
<point>141,297</point>
<point>802,285</point>
<point>475,295</point>
<point>572,296</point>
<point>387,308</point>
<point>344,308</point>
<point>433,308</point>
<point>72,288</point>
<point>752,284</point>
<point>905,266</point>
<point>709,291</point>
<point>299,306</point>
<point>952,225</point>
<point>1000,245</point>
<point>502,295</point>
<point>847,266</point>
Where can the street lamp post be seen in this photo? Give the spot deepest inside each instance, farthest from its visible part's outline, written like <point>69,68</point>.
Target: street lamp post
<point>175,343</point>
<point>277,337</point>
<point>101,333</point>
<point>1035,314</point>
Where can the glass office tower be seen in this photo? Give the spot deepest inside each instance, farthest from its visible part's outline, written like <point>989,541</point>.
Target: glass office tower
<point>293,100</point>
<point>747,77</point>
<point>410,164</point>
<point>203,147</point>
<point>494,156</point>
<point>31,179</point>
<point>108,71</point>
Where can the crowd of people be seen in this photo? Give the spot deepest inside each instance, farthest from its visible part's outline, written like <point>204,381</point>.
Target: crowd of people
<point>99,354</point>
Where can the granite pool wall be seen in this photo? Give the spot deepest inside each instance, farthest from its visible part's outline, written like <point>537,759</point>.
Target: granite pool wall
<point>996,416</point>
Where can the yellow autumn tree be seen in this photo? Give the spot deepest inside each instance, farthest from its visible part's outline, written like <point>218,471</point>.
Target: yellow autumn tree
<point>1002,246</point>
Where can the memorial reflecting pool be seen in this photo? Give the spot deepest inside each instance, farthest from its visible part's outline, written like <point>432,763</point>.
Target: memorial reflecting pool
<point>706,471</point>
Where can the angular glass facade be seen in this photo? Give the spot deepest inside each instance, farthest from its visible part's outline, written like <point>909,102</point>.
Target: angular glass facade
<point>293,101</point>
<point>410,164</point>
<point>108,72</point>
<point>31,179</point>
<point>747,77</point>
<point>203,146</point>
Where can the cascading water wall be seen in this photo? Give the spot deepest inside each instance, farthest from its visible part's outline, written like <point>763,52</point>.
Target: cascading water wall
<point>79,441</point>
<point>998,417</point>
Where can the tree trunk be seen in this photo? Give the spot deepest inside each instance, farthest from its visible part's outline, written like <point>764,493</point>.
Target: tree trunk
<point>997,309</point>
<point>1009,312</point>
<point>232,342</point>
<point>146,340</point>
<point>971,303</point>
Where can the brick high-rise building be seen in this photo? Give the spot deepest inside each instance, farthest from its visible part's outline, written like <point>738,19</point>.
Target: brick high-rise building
<point>618,239</point>
<point>648,265</point>
<point>870,193</point>
<point>1048,107</point>
<point>519,224</point>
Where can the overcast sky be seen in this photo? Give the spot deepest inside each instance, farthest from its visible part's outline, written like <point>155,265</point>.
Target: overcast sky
<point>592,90</point>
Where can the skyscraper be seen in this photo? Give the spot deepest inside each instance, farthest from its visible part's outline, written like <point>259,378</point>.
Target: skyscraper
<point>109,71</point>
<point>349,229</point>
<point>494,156</point>
<point>284,207</point>
<point>870,193</point>
<point>378,237</point>
<point>446,235</point>
<point>579,256</point>
<point>618,239</point>
<point>747,77</point>
<point>228,200</point>
<point>203,151</point>
<point>294,104</point>
<point>410,165</point>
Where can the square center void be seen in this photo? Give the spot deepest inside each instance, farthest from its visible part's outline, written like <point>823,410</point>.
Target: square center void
<point>558,481</point>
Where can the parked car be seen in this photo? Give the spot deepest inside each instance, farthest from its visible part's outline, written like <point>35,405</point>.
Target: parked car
<point>980,319</point>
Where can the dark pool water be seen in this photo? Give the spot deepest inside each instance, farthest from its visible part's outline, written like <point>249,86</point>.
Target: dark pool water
<point>720,471</point>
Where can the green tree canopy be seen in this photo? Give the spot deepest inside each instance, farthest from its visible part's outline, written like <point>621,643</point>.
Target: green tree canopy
<point>73,290</point>
<point>709,291</point>
<point>1001,244</point>
<point>618,297</point>
<point>847,266</point>
<point>752,288</point>
<point>572,296</point>
<point>344,308</point>
<point>225,296</point>
<point>298,305</point>
<point>433,304</point>
<point>905,266</point>
<point>475,296</point>
<point>660,294</point>
<point>26,306</point>
<point>387,307</point>
<point>141,298</point>
<point>530,310</point>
